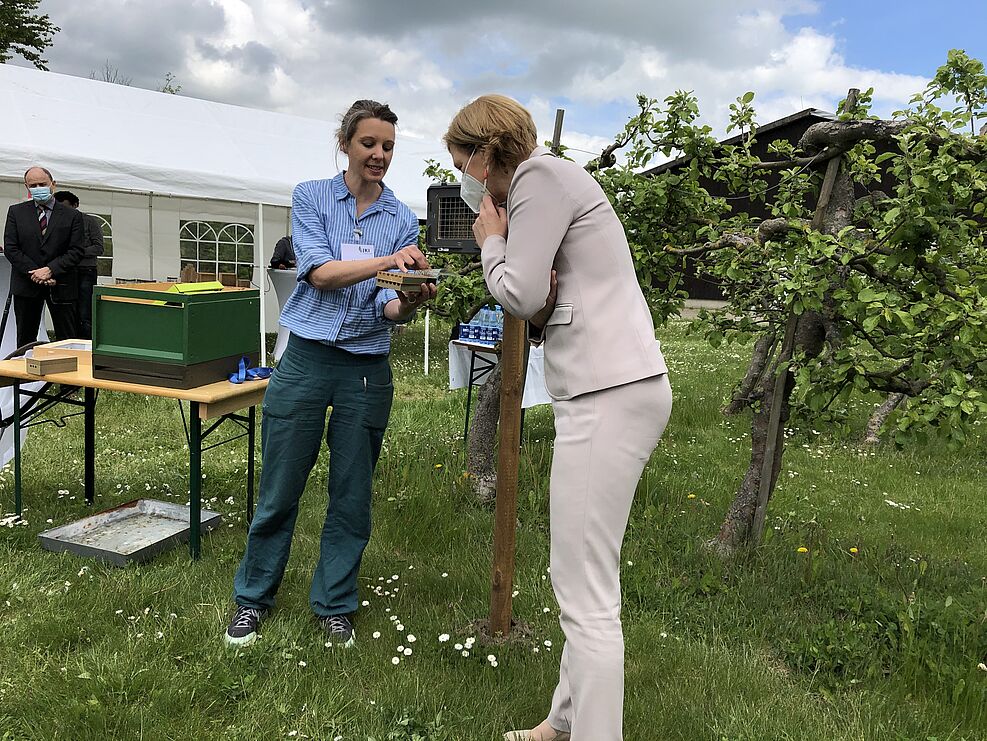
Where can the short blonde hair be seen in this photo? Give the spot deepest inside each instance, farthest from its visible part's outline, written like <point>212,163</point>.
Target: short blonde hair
<point>499,125</point>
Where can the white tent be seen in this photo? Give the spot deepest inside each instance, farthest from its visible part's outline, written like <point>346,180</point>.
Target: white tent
<point>125,138</point>
<point>151,164</point>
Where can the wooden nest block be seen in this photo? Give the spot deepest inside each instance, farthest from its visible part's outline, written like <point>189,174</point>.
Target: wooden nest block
<point>410,281</point>
<point>45,366</point>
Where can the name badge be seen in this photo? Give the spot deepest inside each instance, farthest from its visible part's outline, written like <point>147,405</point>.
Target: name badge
<point>357,251</point>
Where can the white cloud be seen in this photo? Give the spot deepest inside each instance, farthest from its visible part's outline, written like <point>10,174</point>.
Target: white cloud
<point>428,59</point>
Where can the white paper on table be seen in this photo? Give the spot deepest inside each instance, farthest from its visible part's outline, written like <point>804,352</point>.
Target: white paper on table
<point>535,392</point>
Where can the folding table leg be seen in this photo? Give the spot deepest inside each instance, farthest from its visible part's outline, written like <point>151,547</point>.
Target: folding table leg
<point>17,448</point>
<point>89,396</point>
<point>195,480</point>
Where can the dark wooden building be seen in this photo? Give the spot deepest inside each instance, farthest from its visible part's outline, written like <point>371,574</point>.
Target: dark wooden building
<point>790,128</point>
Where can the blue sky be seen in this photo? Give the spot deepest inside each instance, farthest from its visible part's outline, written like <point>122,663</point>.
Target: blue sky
<point>908,36</point>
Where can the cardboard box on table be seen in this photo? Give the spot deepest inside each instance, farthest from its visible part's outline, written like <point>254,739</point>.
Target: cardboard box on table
<point>172,334</point>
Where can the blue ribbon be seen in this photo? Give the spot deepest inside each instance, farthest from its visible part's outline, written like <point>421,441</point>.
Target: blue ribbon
<point>250,374</point>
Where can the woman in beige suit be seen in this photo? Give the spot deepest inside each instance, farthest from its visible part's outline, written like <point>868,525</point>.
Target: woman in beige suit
<point>560,238</point>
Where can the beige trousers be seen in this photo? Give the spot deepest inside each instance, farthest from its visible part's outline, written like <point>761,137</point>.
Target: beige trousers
<point>603,440</point>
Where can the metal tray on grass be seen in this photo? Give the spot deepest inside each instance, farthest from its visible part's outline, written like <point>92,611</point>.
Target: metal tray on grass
<point>132,532</point>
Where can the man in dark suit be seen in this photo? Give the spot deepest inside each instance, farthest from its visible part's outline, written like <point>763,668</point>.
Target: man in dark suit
<point>87,266</point>
<point>44,242</point>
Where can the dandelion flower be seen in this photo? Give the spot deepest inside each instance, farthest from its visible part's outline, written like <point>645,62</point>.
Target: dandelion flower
<point>803,549</point>
<point>854,550</point>
<point>691,496</point>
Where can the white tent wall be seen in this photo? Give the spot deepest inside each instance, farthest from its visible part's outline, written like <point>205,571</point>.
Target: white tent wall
<point>133,256</point>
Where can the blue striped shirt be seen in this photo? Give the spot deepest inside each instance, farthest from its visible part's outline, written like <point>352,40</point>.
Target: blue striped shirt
<point>323,218</point>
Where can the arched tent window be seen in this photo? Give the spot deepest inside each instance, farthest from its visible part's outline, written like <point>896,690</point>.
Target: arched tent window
<point>217,247</point>
<point>236,251</point>
<point>104,263</point>
<point>197,246</point>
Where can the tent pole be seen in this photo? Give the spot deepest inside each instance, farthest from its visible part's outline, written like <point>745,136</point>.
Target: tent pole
<point>259,258</point>
<point>428,317</point>
<point>150,234</point>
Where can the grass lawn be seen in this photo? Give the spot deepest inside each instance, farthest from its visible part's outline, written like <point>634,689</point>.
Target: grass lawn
<point>881,643</point>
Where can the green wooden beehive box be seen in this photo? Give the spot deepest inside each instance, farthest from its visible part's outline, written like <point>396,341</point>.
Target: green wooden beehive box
<point>149,333</point>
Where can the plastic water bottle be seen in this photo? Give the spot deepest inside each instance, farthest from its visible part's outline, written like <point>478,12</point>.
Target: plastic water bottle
<point>499,321</point>
<point>484,319</point>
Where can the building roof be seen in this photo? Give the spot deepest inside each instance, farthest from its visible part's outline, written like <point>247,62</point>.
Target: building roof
<point>125,138</point>
<point>807,115</point>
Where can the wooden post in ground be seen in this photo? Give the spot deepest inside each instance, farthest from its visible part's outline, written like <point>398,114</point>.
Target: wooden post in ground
<point>775,432</point>
<point>505,515</point>
<point>512,361</point>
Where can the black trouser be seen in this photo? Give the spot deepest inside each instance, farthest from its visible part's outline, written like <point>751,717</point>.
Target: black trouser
<point>87,279</point>
<point>27,312</point>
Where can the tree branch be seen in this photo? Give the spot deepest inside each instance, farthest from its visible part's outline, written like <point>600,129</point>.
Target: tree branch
<point>843,135</point>
<point>821,157</point>
<point>739,241</point>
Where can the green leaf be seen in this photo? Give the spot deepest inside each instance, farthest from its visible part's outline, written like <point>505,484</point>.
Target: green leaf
<point>869,295</point>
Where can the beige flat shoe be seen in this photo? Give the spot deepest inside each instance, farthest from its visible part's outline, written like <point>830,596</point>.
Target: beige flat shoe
<point>526,736</point>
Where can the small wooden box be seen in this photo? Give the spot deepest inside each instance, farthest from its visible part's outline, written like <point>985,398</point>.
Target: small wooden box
<point>47,366</point>
<point>410,281</point>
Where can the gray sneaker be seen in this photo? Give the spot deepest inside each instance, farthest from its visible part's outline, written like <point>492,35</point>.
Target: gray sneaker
<point>339,631</point>
<point>242,630</point>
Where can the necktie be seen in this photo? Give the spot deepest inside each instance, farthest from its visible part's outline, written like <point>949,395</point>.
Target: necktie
<point>43,220</point>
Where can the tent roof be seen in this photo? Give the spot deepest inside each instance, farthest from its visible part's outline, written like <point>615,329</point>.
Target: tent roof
<point>113,136</point>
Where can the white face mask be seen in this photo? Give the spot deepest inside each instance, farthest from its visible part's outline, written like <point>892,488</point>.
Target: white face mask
<point>472,190</point>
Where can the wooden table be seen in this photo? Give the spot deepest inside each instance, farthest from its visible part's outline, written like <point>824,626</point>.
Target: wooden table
<point>478,352</point>
<point>216,402</point>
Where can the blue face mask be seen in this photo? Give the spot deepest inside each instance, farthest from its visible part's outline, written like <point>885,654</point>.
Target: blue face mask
<point>41,194</point>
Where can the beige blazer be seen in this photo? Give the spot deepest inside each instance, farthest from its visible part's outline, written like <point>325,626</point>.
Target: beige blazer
<point>601,334</point>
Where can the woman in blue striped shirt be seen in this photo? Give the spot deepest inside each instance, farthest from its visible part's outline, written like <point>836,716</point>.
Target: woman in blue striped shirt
<point>344,231</point>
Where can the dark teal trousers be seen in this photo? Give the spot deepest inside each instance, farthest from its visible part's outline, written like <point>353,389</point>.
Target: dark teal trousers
<point>310,379</point>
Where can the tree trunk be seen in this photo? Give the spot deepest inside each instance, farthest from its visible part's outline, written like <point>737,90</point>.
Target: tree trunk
<point>833,212</point>
<point>880,416</point>
<point>741,398</point>
<point>736,528</point>
<point>481,459</point>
